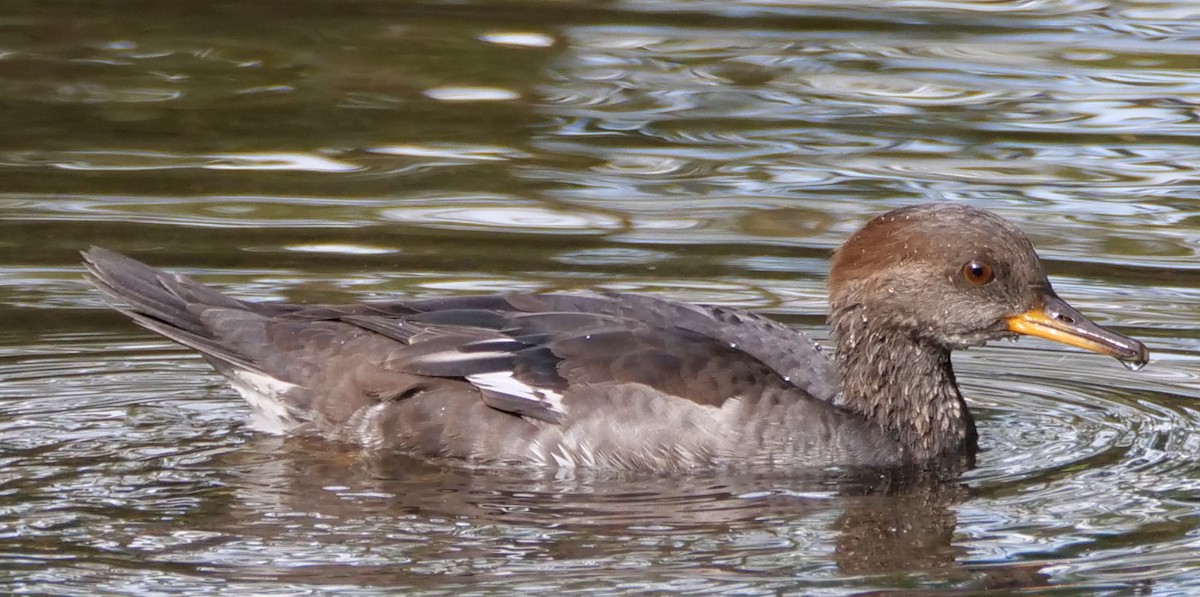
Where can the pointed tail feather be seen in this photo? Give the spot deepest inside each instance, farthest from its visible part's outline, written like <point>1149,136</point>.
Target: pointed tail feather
<point>168,304</point>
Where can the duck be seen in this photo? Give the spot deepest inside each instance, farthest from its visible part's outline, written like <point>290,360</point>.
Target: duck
<point>610,380</point>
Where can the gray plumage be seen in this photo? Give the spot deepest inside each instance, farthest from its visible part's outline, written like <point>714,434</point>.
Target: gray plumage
<point>616,380</point>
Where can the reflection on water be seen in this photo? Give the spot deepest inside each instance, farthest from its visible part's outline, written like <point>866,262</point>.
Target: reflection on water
<point>708,151</point>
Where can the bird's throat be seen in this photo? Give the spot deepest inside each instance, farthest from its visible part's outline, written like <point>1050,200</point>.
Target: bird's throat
<point>905,386</point>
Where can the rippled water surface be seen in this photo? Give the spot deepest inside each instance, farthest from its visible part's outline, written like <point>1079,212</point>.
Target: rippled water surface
<point>710,151</point>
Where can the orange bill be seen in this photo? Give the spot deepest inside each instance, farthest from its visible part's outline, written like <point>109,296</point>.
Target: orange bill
<point>1055,320</point>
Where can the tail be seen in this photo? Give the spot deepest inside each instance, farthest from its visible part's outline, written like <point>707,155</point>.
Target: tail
<point>168,304</point>
<point>224,330</point>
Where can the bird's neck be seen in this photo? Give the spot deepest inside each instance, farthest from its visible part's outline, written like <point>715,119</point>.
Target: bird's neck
<point>905,386</point>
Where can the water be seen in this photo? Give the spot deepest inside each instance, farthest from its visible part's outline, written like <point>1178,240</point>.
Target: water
<point>706,151</point>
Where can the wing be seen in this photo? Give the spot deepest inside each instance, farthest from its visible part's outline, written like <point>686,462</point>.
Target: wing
<point>525,351</point>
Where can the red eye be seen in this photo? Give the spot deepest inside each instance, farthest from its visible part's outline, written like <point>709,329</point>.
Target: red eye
<point>978,273</point>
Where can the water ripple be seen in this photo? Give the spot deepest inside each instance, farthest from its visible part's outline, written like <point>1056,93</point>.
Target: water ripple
<point>710,151</point>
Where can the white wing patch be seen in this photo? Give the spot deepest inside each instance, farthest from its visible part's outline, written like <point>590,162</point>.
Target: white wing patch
<point>503,382</point>
<point>266,396</point>
<point>454,356</point>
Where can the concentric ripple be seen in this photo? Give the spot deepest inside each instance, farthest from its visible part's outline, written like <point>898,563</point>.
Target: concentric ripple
<point>1067,463</point>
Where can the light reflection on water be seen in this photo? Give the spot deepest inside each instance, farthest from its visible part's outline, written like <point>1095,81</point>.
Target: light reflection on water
<point>706,151</point>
